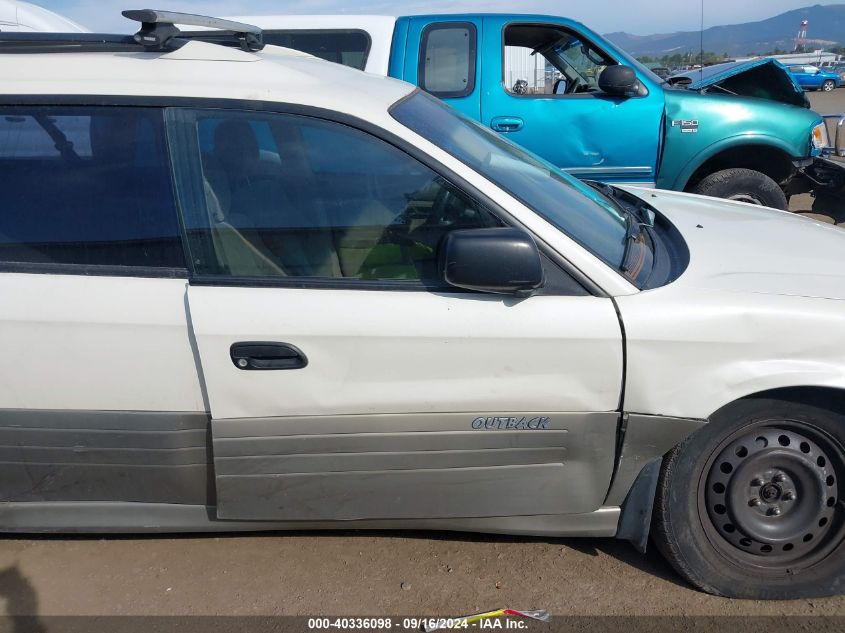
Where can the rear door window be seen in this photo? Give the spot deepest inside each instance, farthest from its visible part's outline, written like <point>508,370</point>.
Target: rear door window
<point>88,186</point>
<point>447,59</point>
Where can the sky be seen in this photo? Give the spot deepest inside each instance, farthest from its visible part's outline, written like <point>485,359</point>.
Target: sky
<point>641,17</point>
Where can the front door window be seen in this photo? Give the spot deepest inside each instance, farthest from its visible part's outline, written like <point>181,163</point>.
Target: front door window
<point>292,196</point>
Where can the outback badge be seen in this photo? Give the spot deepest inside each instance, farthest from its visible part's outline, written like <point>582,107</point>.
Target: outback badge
<point>516,423</point>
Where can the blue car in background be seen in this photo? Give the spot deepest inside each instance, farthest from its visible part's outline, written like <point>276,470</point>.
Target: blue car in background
<point>814,78</point>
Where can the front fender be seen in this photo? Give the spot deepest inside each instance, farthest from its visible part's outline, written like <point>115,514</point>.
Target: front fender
<point>691,352</point>
<point>761,141</point>
<point>700,126</point>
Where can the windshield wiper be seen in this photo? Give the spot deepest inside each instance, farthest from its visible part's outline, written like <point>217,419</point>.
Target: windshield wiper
<point>639,222</point>
<point>633,235</point>
<point>624,202</point>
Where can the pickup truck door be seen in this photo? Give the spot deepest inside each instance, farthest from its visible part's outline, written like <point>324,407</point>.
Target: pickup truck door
<point>442,57</point>
<point>539,82</point>
<point>344,380</point>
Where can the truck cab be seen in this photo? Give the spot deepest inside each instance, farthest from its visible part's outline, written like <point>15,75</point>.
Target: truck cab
<point>567,94</point>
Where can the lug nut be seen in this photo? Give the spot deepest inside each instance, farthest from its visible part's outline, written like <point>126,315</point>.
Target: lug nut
<point>779,478</point>
<point>755,502</point>
<point>757,482</point>
<point>789,496</point>
<point>774,511</point>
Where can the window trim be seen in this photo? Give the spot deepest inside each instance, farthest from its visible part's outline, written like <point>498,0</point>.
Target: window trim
<point>93,270</point>
<point>473,54</point>
<point>366,35</point>
<point>99,270</point>
<point>590,287</point>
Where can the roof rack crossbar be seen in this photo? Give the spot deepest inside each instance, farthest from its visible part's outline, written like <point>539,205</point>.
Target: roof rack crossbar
<point>158,28</point>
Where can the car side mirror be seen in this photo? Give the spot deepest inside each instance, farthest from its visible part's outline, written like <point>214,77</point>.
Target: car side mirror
<point>497,260</point>
<point>618,81</point>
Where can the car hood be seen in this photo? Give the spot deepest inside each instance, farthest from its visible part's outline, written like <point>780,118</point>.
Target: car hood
<point>739,247</point>
<point>763,78</point>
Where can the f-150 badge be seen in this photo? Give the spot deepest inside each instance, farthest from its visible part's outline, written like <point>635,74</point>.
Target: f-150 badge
<point>499,423</point>
<point>686,125</point>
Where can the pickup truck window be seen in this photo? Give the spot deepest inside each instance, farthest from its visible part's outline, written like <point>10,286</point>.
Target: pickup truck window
<point>447,59</point>
<point>581,212</point>
<point>545,60</point>
<point>349,47</point>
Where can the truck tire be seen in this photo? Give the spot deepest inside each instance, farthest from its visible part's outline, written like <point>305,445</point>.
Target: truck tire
<point>743,185</point>
<point>751,506</point>
<point>828,85</point>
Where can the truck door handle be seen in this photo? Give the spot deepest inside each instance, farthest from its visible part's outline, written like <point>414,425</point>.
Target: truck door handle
<point>507,123</point>
<point>263,356</point>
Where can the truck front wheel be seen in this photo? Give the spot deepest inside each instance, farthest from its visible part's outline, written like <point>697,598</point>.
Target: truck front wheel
<point>743,185</point>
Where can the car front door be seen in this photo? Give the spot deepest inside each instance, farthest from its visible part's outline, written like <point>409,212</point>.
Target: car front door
<point>540,86</point>
<point>345,380</point>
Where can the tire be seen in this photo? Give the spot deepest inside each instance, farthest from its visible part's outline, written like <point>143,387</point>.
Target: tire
<point>728,544</point>
<point>828,85</point>
<point>744,185</point>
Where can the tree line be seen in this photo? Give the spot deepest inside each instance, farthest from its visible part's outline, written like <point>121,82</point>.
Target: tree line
<point>689,58</point>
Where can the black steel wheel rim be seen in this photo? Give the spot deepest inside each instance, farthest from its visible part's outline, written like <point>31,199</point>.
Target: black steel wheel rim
<point>770,495</point>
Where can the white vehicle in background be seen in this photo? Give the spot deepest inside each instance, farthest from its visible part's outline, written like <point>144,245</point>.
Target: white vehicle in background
<point>243,289</point>
<point>29,18</point>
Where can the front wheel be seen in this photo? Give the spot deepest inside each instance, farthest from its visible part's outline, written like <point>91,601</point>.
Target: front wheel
<point>828,85</point>
<point>752,505</point>
<point>743,185</point>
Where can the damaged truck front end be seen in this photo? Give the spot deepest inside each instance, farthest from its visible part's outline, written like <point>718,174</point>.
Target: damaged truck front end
<point>790,145</point>
<point>816,171</point>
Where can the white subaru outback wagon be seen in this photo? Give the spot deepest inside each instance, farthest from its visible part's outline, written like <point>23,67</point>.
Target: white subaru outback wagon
<point>247,289</point>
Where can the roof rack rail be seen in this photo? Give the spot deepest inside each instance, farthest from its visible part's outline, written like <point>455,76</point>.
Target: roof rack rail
<point>65,43</point>
<point>158,28</point>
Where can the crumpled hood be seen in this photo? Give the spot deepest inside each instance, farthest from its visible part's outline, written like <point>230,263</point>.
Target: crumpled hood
<point>764,78</point>
<point>739,247</point>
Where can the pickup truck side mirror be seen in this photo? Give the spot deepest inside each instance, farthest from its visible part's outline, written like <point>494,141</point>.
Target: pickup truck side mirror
<point>496,260</point>
<point>618,81</point>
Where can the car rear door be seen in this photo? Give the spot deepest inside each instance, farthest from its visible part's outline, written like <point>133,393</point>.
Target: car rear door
<point>100,399</point>
<point>344,380</point>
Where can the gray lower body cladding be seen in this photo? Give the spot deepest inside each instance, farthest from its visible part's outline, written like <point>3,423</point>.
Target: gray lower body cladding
<point>100,471</point>
<point>412,466</point>
<point>143,457</point>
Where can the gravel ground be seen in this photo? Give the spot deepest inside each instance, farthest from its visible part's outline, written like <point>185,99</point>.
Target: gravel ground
<point>343,573</point>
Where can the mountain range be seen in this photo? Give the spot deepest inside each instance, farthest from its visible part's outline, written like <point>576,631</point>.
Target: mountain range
<point>826,28</point>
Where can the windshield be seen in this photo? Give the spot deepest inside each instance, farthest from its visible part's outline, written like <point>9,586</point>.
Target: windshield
<point>578,210</point>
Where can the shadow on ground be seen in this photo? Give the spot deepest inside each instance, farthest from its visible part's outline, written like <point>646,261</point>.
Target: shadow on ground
<point>20,600</point>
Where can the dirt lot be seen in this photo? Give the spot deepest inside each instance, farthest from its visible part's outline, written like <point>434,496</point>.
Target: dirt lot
<point>357,574</point>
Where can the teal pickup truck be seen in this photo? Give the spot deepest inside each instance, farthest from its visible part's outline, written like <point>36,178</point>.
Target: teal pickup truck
<point>741,131</point>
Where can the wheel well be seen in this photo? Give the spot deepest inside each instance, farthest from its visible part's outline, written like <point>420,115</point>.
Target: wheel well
<point>775,163</point>
<point>829,398</point>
